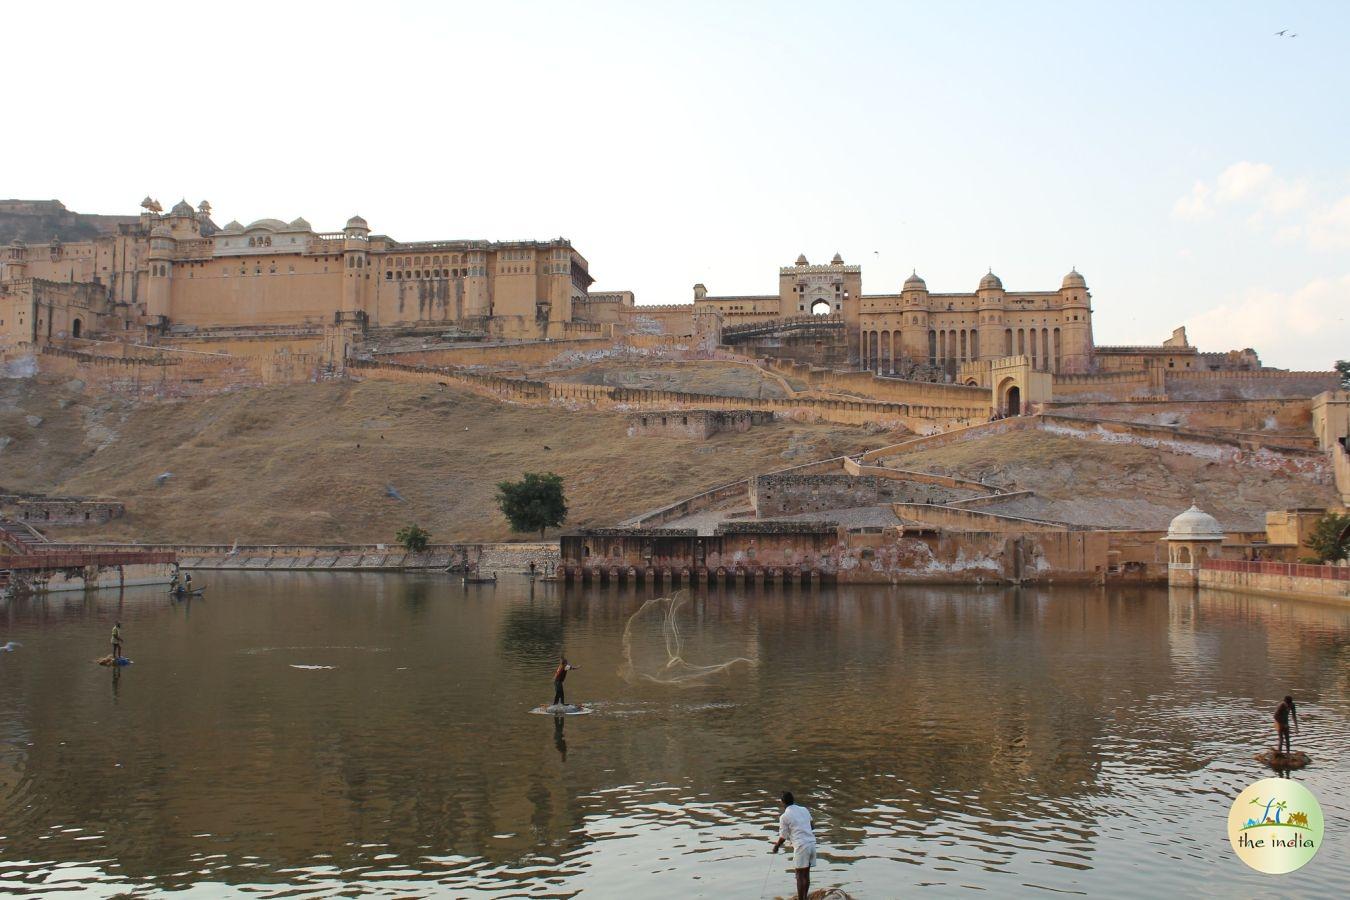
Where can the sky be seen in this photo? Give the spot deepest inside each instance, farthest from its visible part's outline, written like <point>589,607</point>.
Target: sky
<point>1192,164</point>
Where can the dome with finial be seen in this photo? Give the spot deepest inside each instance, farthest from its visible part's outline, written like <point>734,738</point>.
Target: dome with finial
<point>1074,280</point>
<point>182,208</point>
<point>914,282</point>
<point>801,260</point>
<point>991,282</point>
<point>837,261</point>
<point>1194,525</point>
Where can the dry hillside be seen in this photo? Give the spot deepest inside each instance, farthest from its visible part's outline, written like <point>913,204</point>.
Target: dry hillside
<point>1092,483</point>
<point>310,463</point>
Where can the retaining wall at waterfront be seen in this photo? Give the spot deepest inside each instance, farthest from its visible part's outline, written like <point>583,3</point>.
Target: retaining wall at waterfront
<point>1276,579</point>
<point>485,558</point>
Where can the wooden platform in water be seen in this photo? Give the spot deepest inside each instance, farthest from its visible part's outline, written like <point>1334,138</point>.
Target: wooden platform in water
<point>1279,760</point>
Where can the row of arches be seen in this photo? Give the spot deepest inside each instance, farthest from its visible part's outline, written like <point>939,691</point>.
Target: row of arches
<point>949,347</point>
<point>424,273</point>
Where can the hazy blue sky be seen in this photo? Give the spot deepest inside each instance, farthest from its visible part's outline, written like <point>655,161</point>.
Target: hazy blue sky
<point>1194,166</point>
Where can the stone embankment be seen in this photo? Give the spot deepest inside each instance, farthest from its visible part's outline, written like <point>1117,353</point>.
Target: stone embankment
<point>480,558</point>
<point>1276,579</point>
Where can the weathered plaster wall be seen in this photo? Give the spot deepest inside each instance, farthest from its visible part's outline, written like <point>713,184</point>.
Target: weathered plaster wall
<point>1268,415</point>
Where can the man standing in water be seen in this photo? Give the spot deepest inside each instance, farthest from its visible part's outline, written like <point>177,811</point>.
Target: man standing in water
<point>117,641</point>
<point>1282,714</point>
<point>558,677</point>
<point>794,826</point>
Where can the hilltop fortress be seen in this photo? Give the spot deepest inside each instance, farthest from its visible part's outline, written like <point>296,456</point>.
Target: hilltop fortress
<point>292,302</point>
<point>983,434</point>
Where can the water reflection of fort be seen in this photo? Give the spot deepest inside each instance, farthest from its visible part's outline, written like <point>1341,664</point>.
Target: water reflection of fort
<point>889,708</point>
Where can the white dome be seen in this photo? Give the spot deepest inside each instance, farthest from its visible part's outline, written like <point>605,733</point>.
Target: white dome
<point>1194,525</point>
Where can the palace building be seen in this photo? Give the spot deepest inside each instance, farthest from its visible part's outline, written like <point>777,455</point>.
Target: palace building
<point>915,328</point>
<point>178,271</point>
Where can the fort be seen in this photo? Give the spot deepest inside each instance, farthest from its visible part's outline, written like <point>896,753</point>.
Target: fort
<point>957,404</point>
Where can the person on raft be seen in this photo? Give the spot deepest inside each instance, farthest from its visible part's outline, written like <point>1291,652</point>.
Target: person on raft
<point>558,676</point>
<point>1283,712</point>
<point>794,826</point>
<point>117,641</point>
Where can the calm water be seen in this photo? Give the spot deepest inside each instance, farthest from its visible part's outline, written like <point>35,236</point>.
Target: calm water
<point>1017,742</point>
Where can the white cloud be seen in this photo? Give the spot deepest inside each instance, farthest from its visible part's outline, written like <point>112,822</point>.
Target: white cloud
<point>1194,205</point>
<point>1307,329</point>
<point>1242,180</point>
<point>1262,199</point>
<point>1329,228</point>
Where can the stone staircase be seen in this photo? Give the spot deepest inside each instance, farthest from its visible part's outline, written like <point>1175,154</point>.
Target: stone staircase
<point>21,538</point>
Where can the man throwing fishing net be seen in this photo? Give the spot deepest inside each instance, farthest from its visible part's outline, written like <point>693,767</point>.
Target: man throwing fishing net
<point>559,676</point>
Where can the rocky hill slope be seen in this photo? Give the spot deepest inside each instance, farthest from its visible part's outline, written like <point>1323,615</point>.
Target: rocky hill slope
<point>313,463</point>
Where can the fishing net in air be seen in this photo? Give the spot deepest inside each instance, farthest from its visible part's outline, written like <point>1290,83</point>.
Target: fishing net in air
<point>655,647</point>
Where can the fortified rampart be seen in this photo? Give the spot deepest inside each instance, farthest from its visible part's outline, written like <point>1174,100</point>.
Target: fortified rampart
<point>1261,385</point>
<point>524,353</point>
<point>695,424</point>
<point>38,510</point>
<point>1256,451</point>
<point>1289,418</point>
<point>848,412</point>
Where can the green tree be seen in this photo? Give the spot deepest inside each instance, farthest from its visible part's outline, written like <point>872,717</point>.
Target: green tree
<point>1343,369</point>
<point>413,538</point>
<point>534,503</point>
<point>1330,538</point>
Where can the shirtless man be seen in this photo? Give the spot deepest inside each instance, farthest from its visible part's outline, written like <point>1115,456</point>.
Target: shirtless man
<point>1282,714</point>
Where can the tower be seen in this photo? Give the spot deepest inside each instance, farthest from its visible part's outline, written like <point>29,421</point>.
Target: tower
<point>16,261</point>
<point>990,339</point>
<point>915,345</point>
<point>1075,337</point>
<point>159,286</point>
<point>991,333</point>
<point>355,255</point>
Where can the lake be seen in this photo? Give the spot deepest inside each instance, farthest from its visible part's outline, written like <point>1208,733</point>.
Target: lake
<point>311,734</point>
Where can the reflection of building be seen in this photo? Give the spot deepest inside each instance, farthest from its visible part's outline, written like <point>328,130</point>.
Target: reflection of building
<point>181,271</point>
